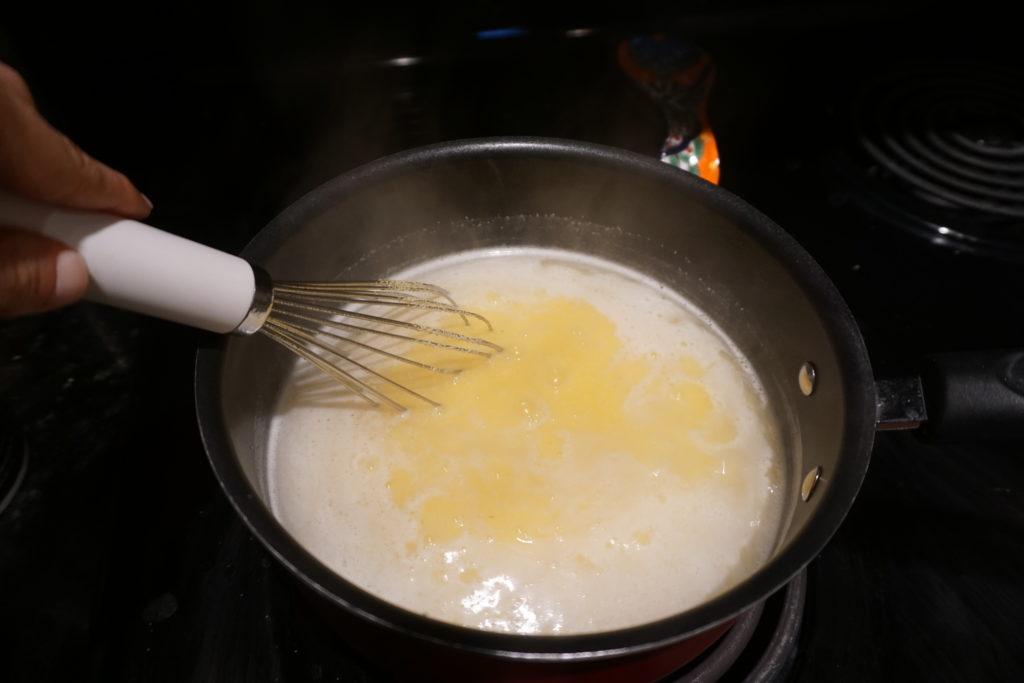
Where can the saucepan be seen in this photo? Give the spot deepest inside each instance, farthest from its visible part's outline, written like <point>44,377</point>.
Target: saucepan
<point>741,269</point>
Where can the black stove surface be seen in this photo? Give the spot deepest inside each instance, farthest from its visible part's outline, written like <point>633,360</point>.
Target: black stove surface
<point>120,558</point>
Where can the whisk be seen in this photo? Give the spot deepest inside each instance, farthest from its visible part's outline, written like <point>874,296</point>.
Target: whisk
<point>336,326</point>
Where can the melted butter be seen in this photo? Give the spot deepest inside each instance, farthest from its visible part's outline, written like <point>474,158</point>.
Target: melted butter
<point>618,441</point>
<point>504,458</point>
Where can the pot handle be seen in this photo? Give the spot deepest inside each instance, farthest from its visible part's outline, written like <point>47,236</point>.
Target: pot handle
<point>961,396</point>
<point>974,396</point>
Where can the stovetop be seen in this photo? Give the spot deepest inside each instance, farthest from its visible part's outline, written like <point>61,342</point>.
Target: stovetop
<point>121,560</point>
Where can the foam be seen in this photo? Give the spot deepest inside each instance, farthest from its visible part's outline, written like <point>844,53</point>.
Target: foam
<point>585,535</point>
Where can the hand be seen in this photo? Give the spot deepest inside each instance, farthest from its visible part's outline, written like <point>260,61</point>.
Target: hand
<point>37,273</point>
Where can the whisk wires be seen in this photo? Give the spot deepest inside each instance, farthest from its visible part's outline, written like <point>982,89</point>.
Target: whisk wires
<point>329,323</point>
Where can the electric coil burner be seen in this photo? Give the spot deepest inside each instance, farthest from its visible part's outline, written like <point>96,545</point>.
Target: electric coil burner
<point>943,153</point>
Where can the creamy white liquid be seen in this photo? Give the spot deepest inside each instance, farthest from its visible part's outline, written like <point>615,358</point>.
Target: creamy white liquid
<point>580,530</point>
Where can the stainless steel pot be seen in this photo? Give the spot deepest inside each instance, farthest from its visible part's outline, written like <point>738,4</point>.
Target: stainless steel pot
<point>745,272</point>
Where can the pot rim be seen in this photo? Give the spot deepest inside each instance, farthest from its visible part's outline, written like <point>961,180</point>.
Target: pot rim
<point>857,437</point>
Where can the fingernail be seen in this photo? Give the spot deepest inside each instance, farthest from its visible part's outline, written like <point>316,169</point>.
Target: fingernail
<point>148,200</point>
<point>72,278</point>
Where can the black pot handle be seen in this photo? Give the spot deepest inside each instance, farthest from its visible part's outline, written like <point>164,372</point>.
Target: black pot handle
<point>974,396</point>
<point>963,396</point>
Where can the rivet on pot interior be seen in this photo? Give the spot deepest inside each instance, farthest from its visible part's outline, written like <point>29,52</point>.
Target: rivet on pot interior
<point>807,377</point>
<point>810,483</point>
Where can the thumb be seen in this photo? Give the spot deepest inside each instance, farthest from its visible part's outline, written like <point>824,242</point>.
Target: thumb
<point>37,273</point>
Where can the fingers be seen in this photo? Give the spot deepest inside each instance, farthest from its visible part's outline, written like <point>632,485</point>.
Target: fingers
<point>67,176</point>
<point>37,274</point>
<point>38,161</point>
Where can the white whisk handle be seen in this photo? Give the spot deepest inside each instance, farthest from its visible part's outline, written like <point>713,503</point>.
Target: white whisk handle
<point>139,268</point>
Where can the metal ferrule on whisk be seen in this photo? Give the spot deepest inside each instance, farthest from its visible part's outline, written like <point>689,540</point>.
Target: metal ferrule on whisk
<point>262,303</point>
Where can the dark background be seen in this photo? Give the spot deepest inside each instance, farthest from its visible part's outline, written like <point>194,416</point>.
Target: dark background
<point>120,560</point>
